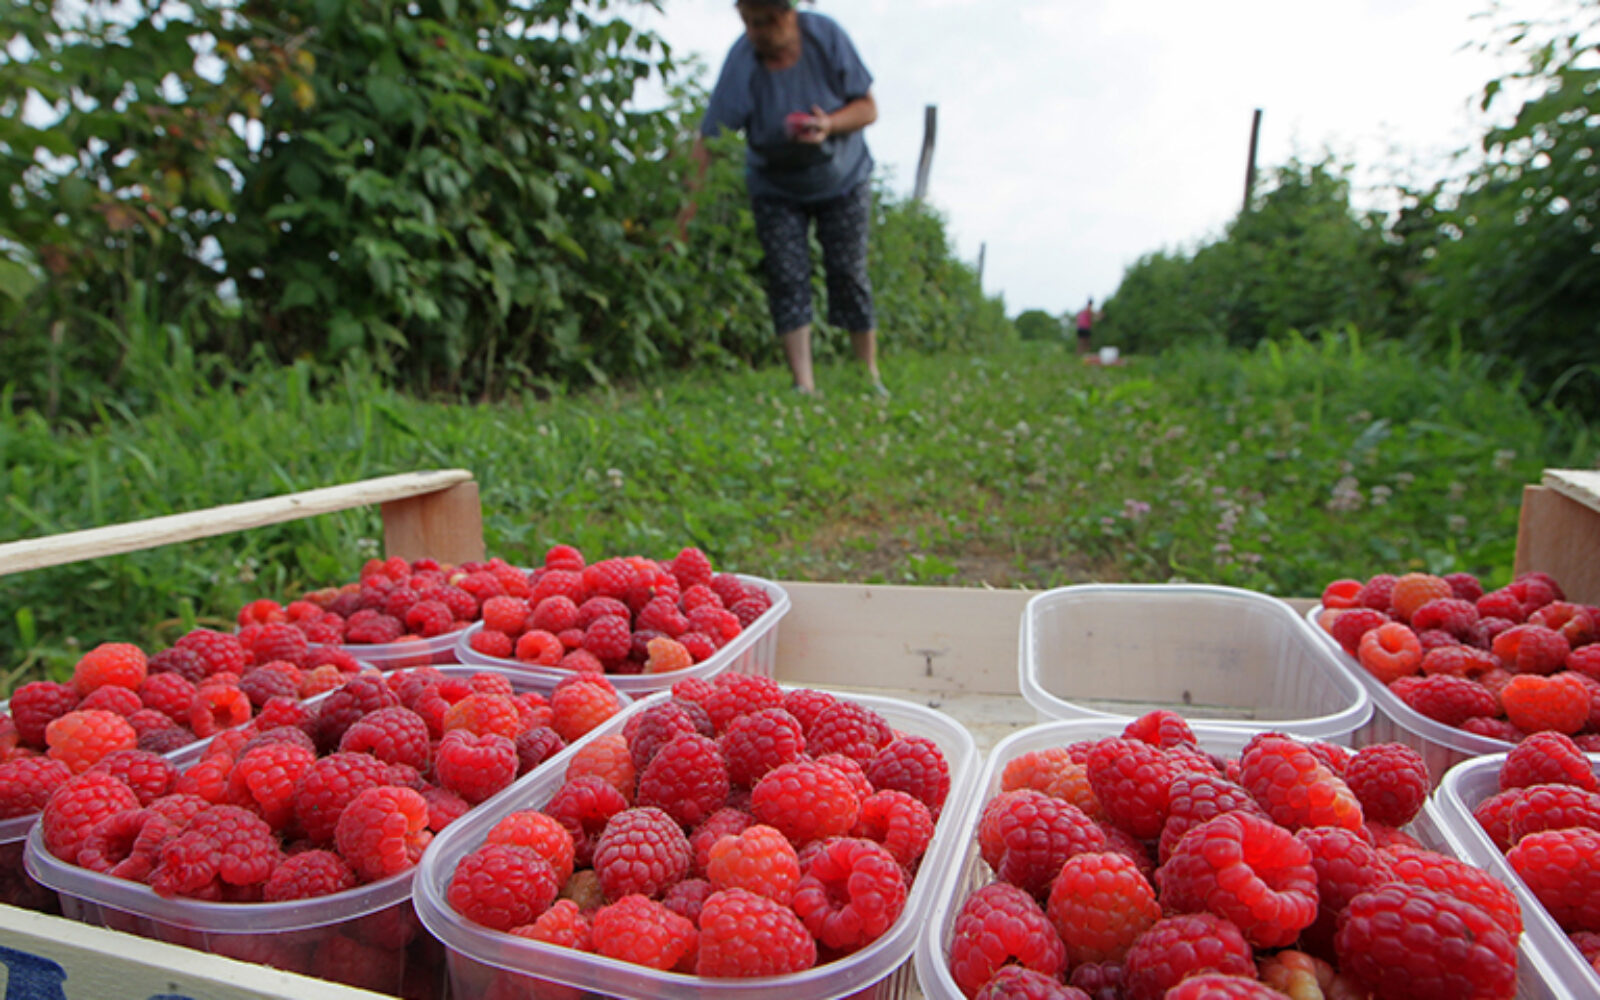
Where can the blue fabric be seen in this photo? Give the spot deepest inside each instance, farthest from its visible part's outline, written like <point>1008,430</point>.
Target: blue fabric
<point>756,100</point>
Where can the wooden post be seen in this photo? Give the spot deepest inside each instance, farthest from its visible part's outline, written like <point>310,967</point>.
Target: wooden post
<point>1250,167</point>
<point>983,249</point>
<point>446,525</point>
<point>1559,531</point>
<point>930,126</point>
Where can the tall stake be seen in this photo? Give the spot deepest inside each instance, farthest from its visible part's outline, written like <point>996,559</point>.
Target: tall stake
<point>930,125</point>
<point>1250,169</point>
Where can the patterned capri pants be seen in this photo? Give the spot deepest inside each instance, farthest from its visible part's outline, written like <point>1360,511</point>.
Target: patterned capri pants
<point>842,226</point>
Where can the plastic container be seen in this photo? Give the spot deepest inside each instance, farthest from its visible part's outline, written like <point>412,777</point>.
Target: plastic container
<point>1441,746</point>
<point>967,872</point>
<point>1234,657</point>
<point>435,650</point>
<point>881,971</point>
<point>753,651</point>
<point>368,936</point>
<point>1562,968</point>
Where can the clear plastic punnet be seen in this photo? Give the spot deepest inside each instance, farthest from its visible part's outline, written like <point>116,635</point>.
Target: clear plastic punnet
<point>1561,968</point>
<point>967,872</point>
<point>1218,654</point>
<point>483,959</point>
<point>752,651</point>
<point>435,650</point>
<point>1393,721</point>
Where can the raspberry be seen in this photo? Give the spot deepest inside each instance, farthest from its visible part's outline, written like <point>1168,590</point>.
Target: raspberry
<point>383,831</point>
<point>1351,626</point>
<point>664,655</point>
<point>264,780</point>
<point>1346,866</point>
<point>1247,869</point>
<point>605,757</point>
<point>806,801</point>
<point>725,822</point>
<point>691,567</point>
<point>642,931</point>
<point>850,729</point>
<point>82,737</point>
<point>1160,728</point>
<point>1573,621</point>
<point>37,704</point>
<point>720,625</point>
<point>120,664</point>
<point>116,700</point>
<point>371,627</point>
<point>851,893</point>
<point>110,848</point>
<point>554,614</point>
<point>540,833</point>
<point>1389,652</point>
<point>506,614</point>
<point>1025,836</point>
<point>1131,779</point>
<point>580,704</point>
<point>662,614</point>
<point>277,679</point>
<point>699,596</point>
<point>241,844</point>
<point>27,783</point>
<point>643,850</point>
<point>899,821</point>
<point>1036,769</point>
<point>1446,698</point>
<point>609,577</point>
<point>999,925</point>
<point>308,875</point>
<point>562,925</point>
<point>756,742</point>
<point>730,588</point>
<point>216,707</point>
<point>1181,946</point>
<point>1376,593</point>
<point>328,786</point>
<point>609,638</point>
<point>649,730</point>
<point>538,646</point>
<point>1536,589</point>
<point>185,663</point>
<point>1531,649</point>
<point>1459,661</point>
<point>1585,660</point>
<point>480,713</point>
<point>1390,781</point>
<point>556,582</point>
<point>1194,798</point>
<point>1448,614</point>
<point>357,697</point>
<point>1550,807</point>
<point>502,886</point>
<point>1464,586</point>
<point>475,767</point>
<point>1547,758</point>
<point>584,806</point>
<point>912,764</point>
<point>393,735</point>
<point>733,695</point>
<point>218,651</point>
<point>745,935</point>
<point>320,680</point>
<point>1341,594</point>
<point>687,779</point>
<point>806,704</point>
<point>757,858</point>
<point>461,604</point>
<point>275,641</point>
<point>492,643</point>
<point>1427,961</point>
<point>150,775</point>
<point>1099,905</point>
<point>1295,788</point>
<point>1432,870</point>
<point>1414,590</point>
<point>1216,986</point>
<point>1013,982</point>
<point>1533,703</point>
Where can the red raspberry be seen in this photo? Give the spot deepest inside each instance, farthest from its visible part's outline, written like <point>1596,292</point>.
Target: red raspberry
<point>502,886</point>
<point>584,806</point>
<point>1131,779</point>
<point>481,713</point>
<point>492,643</point>
<point>1547,758</point>
<point>276,641</point>
<point>554,614</point>
<point>1390,781</point>
<point>1446,698</point>
<point>610,577</point>
<point>383,831</point>
<point>117,663</point>
<point>81,738</point>
<point>1295,788</point>
<point>1459,661</point>
<point>1449,614</point>
<point>1432,870</point>
<point>1389,652</point>
<point>579,704</point>
<point>806,801</point>
<point>1160,728</point>
<point>1194,798</point>
<point>277,679</point>
<point>358,696</point>
<point>308,875</point>
<point>553,582</point>
<point>1550,807</point>
<point>117,700</point>
<point>1531,649</point>
<point>850,729</point>
<point>393,735</point>
<point>687,779</point>
<point>475,767</point>
<point>1559,867</point>
<point>1464,586</point>
<point>1247,869</point>
<point>540,833</point>
<point>1533,703</point>
<point>757,858</point>
<point>718,624</point>
<point>1426,961</point>
<point>745,935</point>
<point>644,932</point>
<point>642,850</point>
<point>186,663</point>
<point>1536,589</point>
<point>26,784</point>
<point>1349,628</point>
<point>538,646</point>
<point>243,845</point>
<point>654,727</point>
<point>1035,769</point>
<point>1377,592</point>
<point>461,604</point>
<point>1413,591</point>
<point>562,925</point>
<point>110,848</point>
<point>1182,946</point>
<point>1099,905</point>
<point>1101,980</point>
<point>691,567</point>
<point>1025,836</point>
<point>1346,866</point>
<point>1502,604</point>
<point>37,704</point>
<point>700,596</point>
<point>150,775</point>
<point>606,757</point>
<point>1585,660</point>
<point>757,742</point>
<point>899,821</point>
<point>729,588</point>
<point>429,618</point>
<point>1013,982</point>
<point>661,614</point>
<point>1216,986</point>
<point>264,780</point>
<point>999,925</point>
<point>664,655</point>
<point>608,638</point>
<point>372,627</point>
<point>749,610</point>
<point>733,695</point>
<point>216,707</point>
<point>725,822</point>
<point>913,764</point>
<point>851,893</point>
<point>806,705</point>
<point>1573,621</point>
<point>328,786</point>
<point>219,651</point>
<point>506,614</point>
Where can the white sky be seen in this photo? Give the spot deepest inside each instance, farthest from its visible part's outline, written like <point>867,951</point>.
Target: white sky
<point>1077,135</point>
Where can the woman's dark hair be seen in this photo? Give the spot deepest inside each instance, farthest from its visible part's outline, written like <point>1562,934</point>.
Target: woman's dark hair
<point>785,4</point>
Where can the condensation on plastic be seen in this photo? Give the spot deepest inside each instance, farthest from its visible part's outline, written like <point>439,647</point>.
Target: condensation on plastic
<point>1218,654</point>
<point>752,651</point>
<point>880,971</point>
<point>1441,746</point>
<point>1563,974</point>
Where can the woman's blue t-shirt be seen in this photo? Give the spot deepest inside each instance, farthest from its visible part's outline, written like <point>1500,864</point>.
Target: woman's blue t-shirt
<point>750,97</point>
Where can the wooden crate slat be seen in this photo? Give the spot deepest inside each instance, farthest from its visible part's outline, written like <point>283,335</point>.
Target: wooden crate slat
<point>1559,535</point>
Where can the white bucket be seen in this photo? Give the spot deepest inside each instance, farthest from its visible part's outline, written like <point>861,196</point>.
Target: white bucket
<point>1108,355</point>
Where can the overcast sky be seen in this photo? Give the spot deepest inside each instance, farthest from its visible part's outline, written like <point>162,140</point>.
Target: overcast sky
<point>1077,135</point>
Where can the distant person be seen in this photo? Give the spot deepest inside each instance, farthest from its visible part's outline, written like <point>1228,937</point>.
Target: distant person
<point>797,89</point>
<point>1086,318</point>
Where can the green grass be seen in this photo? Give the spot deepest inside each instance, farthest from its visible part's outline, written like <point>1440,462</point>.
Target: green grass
<point>1278,471</point>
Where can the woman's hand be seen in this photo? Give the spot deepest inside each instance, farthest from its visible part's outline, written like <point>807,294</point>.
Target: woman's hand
<point>815,131</point>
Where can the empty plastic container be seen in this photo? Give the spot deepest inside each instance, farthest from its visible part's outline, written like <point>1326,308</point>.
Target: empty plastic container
<point>1560,966</point>
<point>1393,721</point>
<point>481,959</point>
<point>1230,656</point>
<point>752,651</point>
